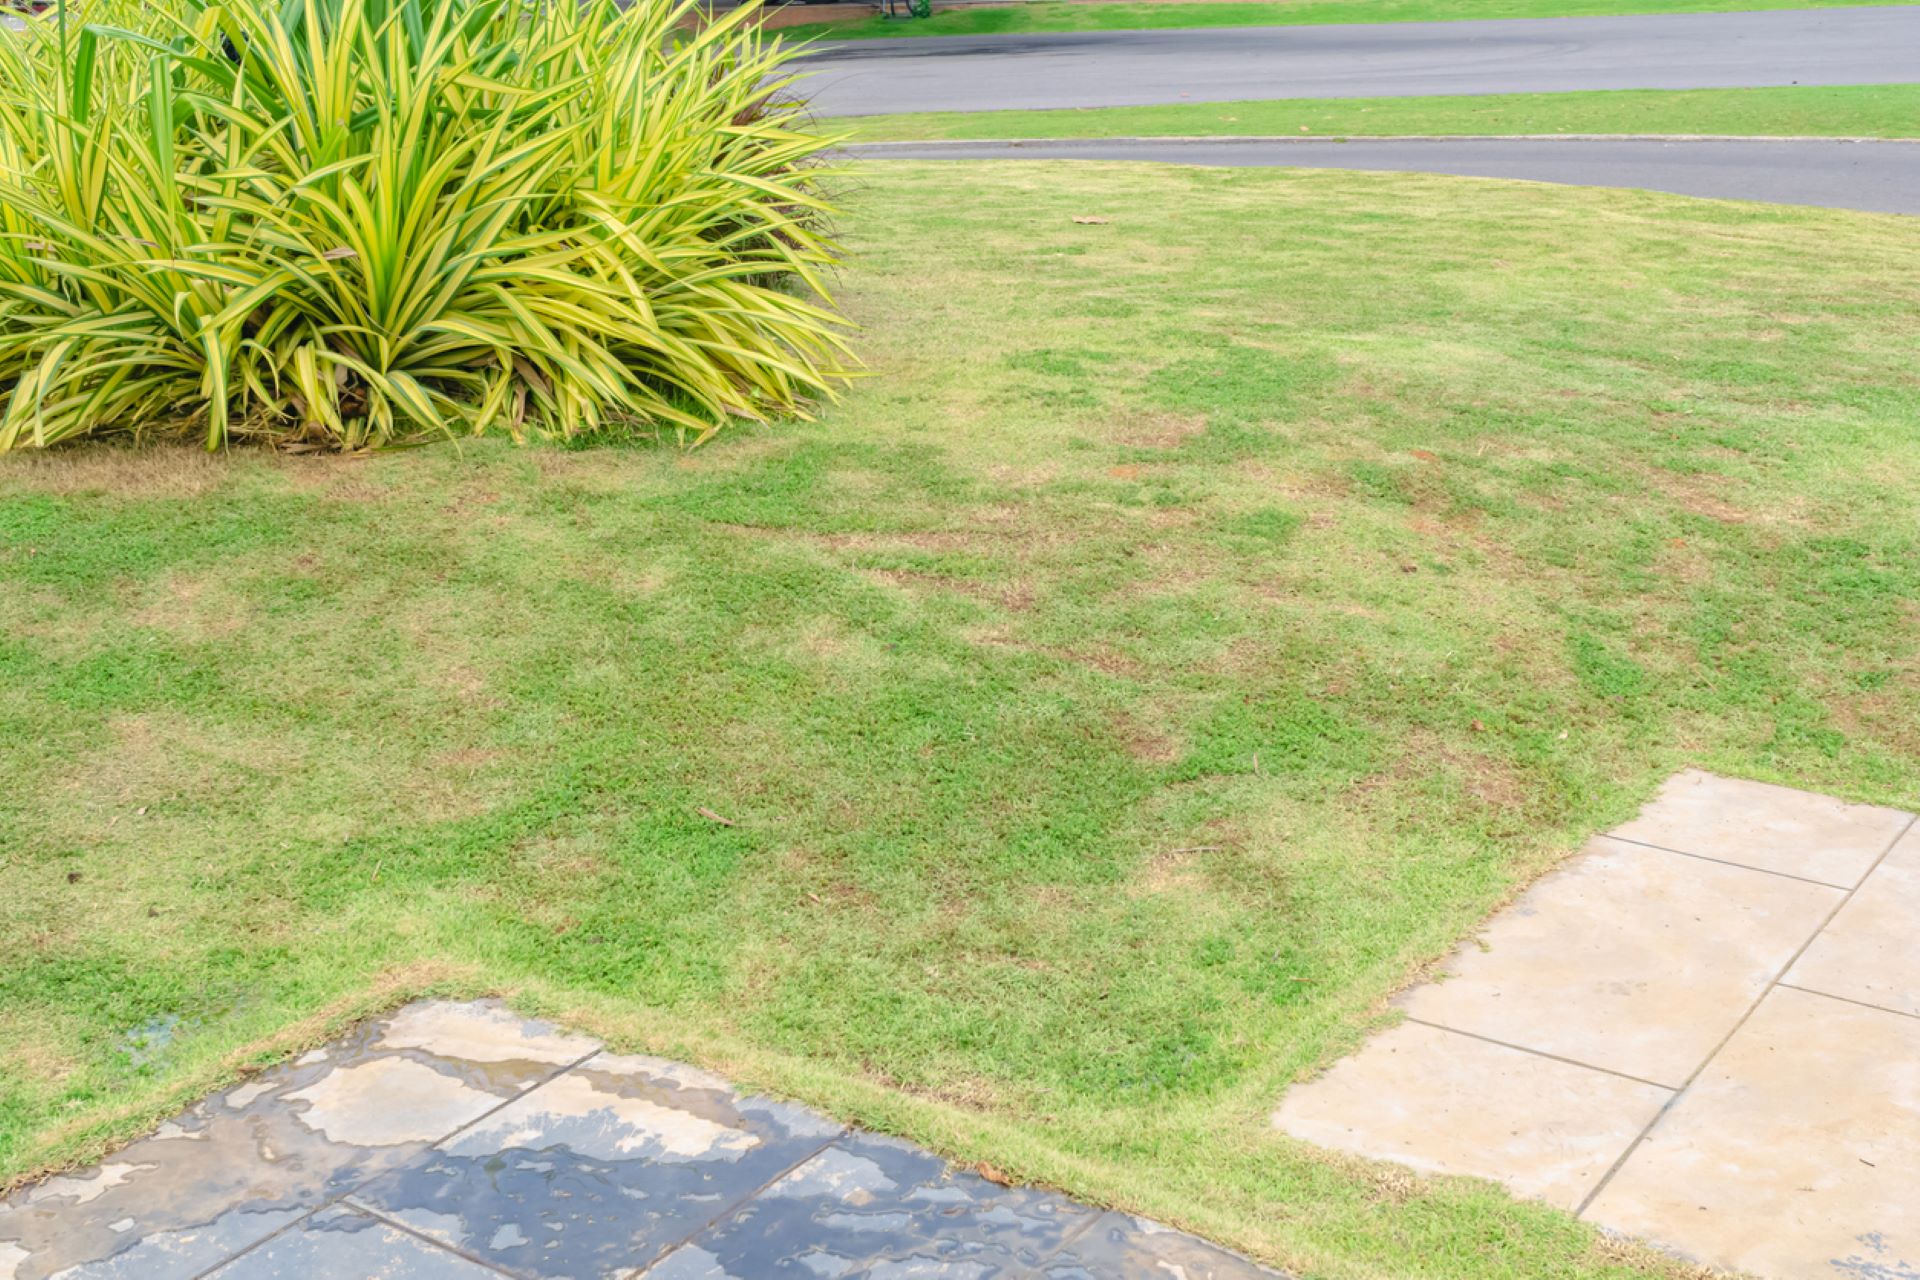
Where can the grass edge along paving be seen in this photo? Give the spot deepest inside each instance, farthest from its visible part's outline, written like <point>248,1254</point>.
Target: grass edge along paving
<point>1849,111</point>
<point>1199,622</point>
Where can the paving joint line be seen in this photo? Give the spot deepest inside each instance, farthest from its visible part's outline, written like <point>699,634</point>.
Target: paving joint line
<point>530,1090</point>
<point>1542,1053</point>
<point>261,1243</point>
<point>342,1195</point>
<point>730,1210</point>
<point>1864,1004</point>
<point>1753,1008</point>
<point>1765,871</point>
<point>356,1207</point>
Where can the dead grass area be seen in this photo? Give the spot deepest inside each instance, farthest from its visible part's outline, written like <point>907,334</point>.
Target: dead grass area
<point>1105,659</point>
<point>197,607</point>
<point>1015,598</point>
<point>1174,871</point>
<point>1428,760</point>
<point>1159,430</point>
<point>1144,740</point>
<point>127,472</point>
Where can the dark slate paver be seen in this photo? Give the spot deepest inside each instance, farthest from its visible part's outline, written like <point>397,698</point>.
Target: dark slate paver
<point>600,1171</point>
<point>459,1141</point>
<point>339,1242</point>
<point>1121,1247</point>
<point>239,1166</point>
<point>872,1206</point>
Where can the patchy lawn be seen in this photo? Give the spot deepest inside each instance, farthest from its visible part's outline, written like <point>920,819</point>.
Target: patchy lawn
<point>1138,15</point>
<point>1851,111</point>
<point>1198,622</point>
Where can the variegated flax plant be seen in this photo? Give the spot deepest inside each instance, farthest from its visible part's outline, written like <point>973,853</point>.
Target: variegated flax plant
<point>350,224</point>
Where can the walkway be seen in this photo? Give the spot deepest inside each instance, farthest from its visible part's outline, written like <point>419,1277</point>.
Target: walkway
<point>1704,1031</point>
<point>459,1142</point>
<point>1881,177</point>
<point>1525,55</point>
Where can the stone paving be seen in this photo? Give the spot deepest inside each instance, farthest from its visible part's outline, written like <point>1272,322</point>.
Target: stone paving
<point>1703,1031</point>
<point>460,1142</point>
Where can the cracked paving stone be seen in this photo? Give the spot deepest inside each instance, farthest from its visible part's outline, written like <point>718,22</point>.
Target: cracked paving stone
<point>873,1207</point>
<point>235,1168</point>
<point>599,1170</point>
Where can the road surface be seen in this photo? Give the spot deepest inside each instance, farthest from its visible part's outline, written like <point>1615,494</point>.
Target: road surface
<point>1532,55</point>
<point>1881,177</point>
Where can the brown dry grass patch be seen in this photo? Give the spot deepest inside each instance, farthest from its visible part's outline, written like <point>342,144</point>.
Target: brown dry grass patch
<point>1016,597</point>
<point>1159,430</point>
<point>195,607</point>
<point>1147,743</point>
<point>1424,754</point>
<point>148,471</point>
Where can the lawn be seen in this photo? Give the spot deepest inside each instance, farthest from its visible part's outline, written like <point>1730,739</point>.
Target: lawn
<point>1192,628</point>
<point>1119,15</point>
<point>1880,111</point>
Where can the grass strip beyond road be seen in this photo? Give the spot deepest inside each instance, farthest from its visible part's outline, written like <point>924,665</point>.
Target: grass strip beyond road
<point>1879,111</point>
<point>1049,15</point>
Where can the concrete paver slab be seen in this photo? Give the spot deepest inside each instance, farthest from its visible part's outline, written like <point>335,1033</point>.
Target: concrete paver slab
<point>340,1244</point>
<point>1725,950</point>
<point>1795,1154</point>
<point>599,1171</point>
<point>1757,824</point>
<point>1449,1103</point>
<point>869,1205</point>
<point>237,1167</point>
<point>1871,951</point>
<point>1630,959</point>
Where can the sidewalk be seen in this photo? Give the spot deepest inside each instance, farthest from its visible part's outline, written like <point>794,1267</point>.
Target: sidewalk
<point>460,1142</point>
<point>1703,1031</point>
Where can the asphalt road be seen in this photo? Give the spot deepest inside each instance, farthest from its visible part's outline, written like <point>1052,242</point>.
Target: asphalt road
<point>1881,177</point>
<point>1534,55</point>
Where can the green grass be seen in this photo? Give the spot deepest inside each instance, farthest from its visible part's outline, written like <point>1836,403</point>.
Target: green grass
<point>1063,15</point>
<point>1884,111</point>
<point>1196,625</point>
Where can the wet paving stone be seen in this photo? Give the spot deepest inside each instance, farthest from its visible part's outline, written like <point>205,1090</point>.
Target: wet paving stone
<point>869,1206</point>
<point>599,1171</point>
<point>241,1165</point>
<point>459,1141</point>
<point>1122,1247</point>
<point>340,1243</point>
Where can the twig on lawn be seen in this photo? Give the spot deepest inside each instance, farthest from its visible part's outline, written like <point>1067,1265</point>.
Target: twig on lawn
<point>705,812</point>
